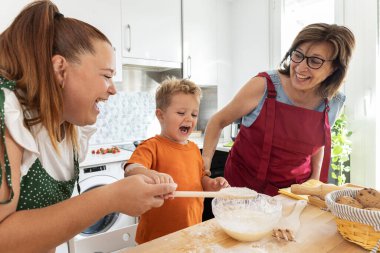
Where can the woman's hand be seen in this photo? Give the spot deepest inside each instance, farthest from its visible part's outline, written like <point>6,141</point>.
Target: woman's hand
<point>214,184</point>
<point>137,194</point>
<point>158,178</point>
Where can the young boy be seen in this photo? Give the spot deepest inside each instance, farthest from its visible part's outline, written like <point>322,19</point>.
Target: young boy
<point>171,157</point>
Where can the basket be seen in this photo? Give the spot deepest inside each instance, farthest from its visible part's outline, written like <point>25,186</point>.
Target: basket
<point>356,225</point>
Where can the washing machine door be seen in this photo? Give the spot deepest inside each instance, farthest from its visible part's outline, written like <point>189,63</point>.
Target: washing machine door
<point>105,223</point>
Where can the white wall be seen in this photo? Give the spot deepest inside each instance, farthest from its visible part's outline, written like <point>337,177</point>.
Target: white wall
<point>243,46</point>
<point>250,41</point>
<point>361,89</point>
<point>9,10</point>
<point>224,46</point>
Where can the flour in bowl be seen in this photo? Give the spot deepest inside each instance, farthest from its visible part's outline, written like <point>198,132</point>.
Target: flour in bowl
<point>247,219</point>
<point>242,192</point>
<point>246,224</point>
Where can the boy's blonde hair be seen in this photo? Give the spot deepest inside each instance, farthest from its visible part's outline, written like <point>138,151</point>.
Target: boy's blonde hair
<point>172,86</point>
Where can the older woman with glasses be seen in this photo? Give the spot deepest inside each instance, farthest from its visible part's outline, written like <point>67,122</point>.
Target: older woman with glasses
<point>286,114</point>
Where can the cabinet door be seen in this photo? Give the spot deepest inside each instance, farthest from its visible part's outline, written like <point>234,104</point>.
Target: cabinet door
<point>151,31</point>
<point>199,41</point>
<point>104,15</point>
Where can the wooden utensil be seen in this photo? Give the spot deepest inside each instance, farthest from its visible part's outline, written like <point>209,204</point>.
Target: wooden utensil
<point>197,194</point>
<point>230,192</point>
<point>316,201</point>
<point>319,191</point>
<point>289,225</point>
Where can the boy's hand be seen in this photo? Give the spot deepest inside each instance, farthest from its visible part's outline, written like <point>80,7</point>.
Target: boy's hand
<point>158,177</point>
<point>214,184</point>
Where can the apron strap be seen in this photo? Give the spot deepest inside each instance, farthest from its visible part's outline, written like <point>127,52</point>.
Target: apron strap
<point>4,83</point>
<point>327,150</point>
<point>76,169</point>
<point>268,136</point>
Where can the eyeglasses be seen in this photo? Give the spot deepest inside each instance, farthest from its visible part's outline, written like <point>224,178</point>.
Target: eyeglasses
<point>312,61</point>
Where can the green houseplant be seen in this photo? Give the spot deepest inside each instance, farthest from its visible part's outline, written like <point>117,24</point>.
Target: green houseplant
<point>340,150</point>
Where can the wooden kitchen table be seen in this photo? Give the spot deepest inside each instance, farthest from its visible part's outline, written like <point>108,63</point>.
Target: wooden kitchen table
<point>317,234</point>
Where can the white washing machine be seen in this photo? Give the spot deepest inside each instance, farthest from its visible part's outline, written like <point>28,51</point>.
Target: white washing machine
<point>115,231</point>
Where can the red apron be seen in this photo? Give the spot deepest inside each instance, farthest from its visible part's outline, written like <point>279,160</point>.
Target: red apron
<point>275,151</point>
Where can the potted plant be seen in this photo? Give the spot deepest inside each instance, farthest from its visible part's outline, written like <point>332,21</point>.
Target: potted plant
<point>340,150</point>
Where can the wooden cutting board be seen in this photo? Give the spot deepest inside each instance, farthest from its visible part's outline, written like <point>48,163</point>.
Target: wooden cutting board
<point>317,233</point>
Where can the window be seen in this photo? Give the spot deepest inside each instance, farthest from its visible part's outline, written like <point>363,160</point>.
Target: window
<point>296,14</point>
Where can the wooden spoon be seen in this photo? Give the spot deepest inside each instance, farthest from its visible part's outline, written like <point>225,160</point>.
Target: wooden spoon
<point>230,192</point>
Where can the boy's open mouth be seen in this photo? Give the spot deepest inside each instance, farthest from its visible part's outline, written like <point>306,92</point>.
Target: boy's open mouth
<point>184,129</point>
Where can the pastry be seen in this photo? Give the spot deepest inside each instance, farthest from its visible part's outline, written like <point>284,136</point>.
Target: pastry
<point>372,208</point>
<point>369,197</point>
<point>350,201</point>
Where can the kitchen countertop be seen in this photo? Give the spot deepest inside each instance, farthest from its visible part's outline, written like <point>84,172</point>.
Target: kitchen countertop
<point>220,146</point>
<point>98,159</point>
<point>317,234</point>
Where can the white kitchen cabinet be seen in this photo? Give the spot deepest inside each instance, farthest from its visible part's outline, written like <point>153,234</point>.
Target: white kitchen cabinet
<point>104,15</point>
<point>200,41</point>
<point>151,33</point>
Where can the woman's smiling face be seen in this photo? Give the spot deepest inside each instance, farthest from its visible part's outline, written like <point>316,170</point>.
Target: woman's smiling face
<point>87,83</point>
<point>304,78</point>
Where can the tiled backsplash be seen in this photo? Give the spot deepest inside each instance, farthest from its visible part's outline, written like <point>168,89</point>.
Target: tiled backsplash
<point>125,118</point>
<point>129,115</point>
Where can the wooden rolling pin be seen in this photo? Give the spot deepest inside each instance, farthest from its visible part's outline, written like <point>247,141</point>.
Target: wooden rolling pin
<point>319,191</point>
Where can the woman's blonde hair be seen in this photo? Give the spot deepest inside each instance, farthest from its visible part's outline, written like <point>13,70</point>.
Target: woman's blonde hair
<point>343,43</point>
<point>172,86</point>
<point>27,46</point>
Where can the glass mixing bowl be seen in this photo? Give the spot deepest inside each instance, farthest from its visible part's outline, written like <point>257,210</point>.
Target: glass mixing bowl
<point>247,219</point>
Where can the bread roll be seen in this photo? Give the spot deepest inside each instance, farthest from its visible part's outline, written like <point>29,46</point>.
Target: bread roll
<point>369,198</point>
<point>350,201</point>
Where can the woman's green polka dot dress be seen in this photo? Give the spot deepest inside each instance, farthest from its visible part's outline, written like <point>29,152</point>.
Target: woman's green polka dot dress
<point>38,189</point>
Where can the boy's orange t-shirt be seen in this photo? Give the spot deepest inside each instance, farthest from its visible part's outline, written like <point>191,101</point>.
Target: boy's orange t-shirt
<point>184,163</point>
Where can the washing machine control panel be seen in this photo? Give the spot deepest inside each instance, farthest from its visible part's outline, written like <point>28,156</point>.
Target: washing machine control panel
<point>94,169</point>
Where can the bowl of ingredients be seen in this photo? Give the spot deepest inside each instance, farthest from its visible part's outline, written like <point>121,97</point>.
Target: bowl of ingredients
<point>247,219</point>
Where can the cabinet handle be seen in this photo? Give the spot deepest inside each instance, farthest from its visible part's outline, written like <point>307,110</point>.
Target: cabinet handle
<point>189,67</point>
<point>129,39</point>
